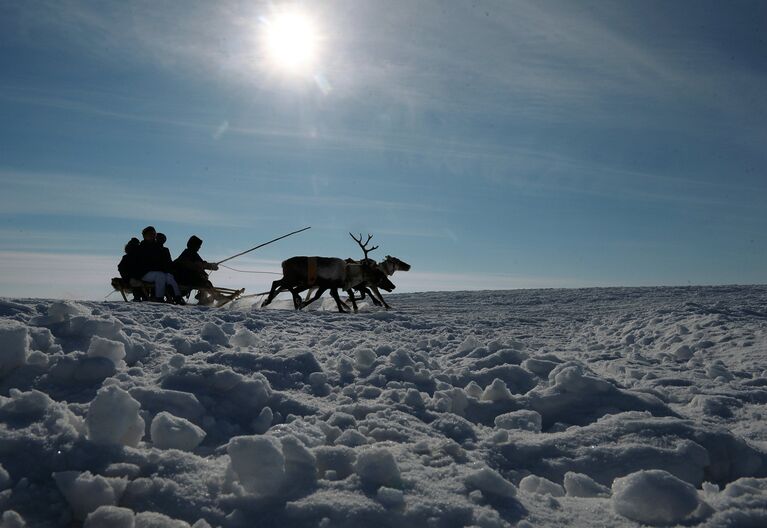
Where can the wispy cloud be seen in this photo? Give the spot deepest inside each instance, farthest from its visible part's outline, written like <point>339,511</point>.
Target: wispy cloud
<point>76,195</point>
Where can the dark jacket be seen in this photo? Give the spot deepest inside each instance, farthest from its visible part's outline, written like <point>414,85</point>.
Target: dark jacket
<point>153,257</point>
<point>129,266</point>
<point>189,269</point>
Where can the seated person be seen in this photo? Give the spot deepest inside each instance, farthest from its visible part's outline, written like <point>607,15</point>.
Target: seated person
<point>189,268</point>
<point>130,268</point>
<point>167,261</point>
<point>156,267</point>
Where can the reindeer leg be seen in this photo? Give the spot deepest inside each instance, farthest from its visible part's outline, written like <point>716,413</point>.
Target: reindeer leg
<point>339,302</point>
<point>308,294</point>
<point>317,295</point>
<point>276,288</point>
<point>372,297</point>
<point>380,297</point>
<point>352,299</point>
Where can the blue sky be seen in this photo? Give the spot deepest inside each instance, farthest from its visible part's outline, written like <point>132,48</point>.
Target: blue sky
<point>491,144</point>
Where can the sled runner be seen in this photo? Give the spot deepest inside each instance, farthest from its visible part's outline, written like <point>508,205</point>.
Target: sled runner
<point>217,297</point>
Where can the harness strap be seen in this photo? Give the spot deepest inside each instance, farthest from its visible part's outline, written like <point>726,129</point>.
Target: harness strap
<point>311,271</point>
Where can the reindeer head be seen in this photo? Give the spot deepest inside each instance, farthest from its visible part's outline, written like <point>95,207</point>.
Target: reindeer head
<point>391,264</point>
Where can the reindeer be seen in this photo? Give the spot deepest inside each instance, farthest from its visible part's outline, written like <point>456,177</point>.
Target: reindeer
<point>325,273</point>
<point>358,276</point>
<point>374,280</point>
<point>387,266</point>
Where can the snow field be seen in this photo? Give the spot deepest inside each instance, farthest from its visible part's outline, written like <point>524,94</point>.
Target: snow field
<point>614,407</point>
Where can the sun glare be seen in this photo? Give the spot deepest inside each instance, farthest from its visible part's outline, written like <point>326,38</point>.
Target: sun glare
<point>291,42</point>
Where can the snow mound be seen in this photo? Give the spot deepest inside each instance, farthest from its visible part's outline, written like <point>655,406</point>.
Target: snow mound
<point>14,346</point>
<point>257,463</point>
<point>336,420</point>
<point>490,482</point>
<point>523,419</point>
<point>541,486</point>
<point>113,418</point>
<point>172,432</point>
<point>110,516</point>
<point>112,350</point>
<point>581,485</point>
<point>11,519</point>
<point>376,467</point>
<point>86,492</point>
<point>654,497</point>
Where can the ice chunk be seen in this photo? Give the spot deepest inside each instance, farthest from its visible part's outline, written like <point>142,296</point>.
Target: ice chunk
<point>390,497</point>
<point>654,497</point>
<point>243,338</point>
<point>581,485</point>
<point>377,467</point>
<point>718,369</point>
<point>364,358</point>
<point>455,427</point>
<point>11,519</point>
<point>571,378</point>
<point>113,350</point>
<point>178,403</point>
<point>342,420</point>
<point>257,463</point>
<point>683,353</point>
<point>541,486</point>
<point>110,516</point>
<point>113,418</point>
<point>496,391</point>
<point>173,432</point>
<point>523,419</point>
<point>148,519</point>
<point>338,459</point>
<point>86,492</point>
<point>351,438</point>
<point>213,334</point>
<point>300,464</point>
<point>60,311</point>
<point>263,421</point>
<point>5,478</point>
<point>469,344</point>
<point>490,482</point>
<point>473,390</point>
<point>14,346</point>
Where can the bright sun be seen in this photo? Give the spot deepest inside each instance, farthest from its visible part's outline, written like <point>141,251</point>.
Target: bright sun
<point>291,41</point>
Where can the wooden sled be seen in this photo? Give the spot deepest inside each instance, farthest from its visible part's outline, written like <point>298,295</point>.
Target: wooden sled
<point>216,297</point>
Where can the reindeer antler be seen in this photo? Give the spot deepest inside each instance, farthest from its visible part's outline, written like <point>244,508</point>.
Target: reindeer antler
<point>365,250</point>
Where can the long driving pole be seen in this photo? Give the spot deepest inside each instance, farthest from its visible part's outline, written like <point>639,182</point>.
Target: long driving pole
<point>262,245</point>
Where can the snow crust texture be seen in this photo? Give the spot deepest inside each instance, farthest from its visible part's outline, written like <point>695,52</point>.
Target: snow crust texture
<point>602,407</point>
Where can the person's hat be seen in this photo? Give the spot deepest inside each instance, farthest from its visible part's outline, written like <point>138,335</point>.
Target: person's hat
<point>194,242</point>
<point>133,243</point>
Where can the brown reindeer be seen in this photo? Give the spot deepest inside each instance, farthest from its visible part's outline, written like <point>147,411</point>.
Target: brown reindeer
<point>368,275</point>
<point>325,273</point>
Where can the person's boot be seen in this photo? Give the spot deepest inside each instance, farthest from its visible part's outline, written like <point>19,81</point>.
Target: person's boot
<point>178,299</point>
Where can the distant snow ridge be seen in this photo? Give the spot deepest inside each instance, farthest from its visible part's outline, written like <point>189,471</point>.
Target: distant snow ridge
<point>493,409</point>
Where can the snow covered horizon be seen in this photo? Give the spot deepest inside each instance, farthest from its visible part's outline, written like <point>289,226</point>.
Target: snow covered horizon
<point>536,407</point>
